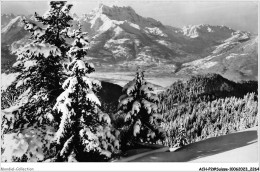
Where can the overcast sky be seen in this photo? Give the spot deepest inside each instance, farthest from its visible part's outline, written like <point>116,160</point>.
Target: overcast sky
<point>241,15</point>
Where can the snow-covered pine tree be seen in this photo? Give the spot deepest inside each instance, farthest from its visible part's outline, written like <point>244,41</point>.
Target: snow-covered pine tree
<point>57,21</point>
<point>84,132</point>
<point>138,107</point>
<point>41,73</point>
<point>40,63</point>
<point>181,139</point>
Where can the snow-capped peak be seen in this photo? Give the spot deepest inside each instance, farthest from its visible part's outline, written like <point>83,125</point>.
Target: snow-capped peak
<point>111,5</point>
<point>113,10</point>
<point>16,21</point>
<point>194,31</point>
<point>191,31</point>
<point>120,14</point>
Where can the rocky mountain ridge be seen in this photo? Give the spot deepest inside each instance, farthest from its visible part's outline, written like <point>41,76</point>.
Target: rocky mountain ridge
<point>122,40</point>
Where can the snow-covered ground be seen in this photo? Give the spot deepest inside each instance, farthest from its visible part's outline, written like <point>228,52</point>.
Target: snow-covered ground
<point>246,153</point>
<point>7,80</point>
<point>232,148</point>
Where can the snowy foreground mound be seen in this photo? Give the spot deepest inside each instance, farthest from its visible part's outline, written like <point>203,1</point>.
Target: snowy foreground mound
<point>232,148</point>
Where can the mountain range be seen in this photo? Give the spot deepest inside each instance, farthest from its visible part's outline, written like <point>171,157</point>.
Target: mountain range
<point>121,40</point>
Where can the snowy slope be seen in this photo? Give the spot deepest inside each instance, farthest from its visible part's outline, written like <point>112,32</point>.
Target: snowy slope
<point>206,31</point>
<point>7,80</point>
<point>235,59</point>
<point>16,21</point>
<point>5,19</point>
<point>232,148</point>
<point>13,31</point>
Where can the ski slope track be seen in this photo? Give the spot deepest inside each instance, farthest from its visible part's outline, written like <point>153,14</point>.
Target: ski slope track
<point>240,147</point>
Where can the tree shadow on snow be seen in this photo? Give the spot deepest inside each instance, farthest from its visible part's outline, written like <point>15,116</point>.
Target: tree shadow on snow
<point>204,148</point>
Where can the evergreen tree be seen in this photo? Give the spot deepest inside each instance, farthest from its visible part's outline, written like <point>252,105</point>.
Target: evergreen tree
<point>57,21</point>
<point>138,106</point>
<point>84,132</point>
<point>41,74</point>
<point>40,64</point>
<point>181,139</point>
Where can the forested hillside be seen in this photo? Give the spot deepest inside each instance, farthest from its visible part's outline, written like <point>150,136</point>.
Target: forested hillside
<point>206,87</point>
<point>207,106</point>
